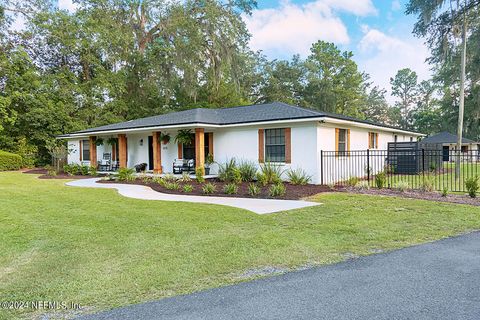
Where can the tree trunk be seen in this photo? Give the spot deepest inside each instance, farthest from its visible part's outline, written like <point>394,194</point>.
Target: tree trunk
<point>462,99</point>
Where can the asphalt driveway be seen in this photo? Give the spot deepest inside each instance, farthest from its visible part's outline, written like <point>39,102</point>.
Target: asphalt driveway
<point>439,280</point>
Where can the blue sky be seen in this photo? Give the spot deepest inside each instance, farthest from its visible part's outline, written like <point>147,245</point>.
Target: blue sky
<point>377,31</point>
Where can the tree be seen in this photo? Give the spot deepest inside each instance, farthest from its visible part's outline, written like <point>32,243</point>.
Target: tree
<point>377,108</point>
<point>404,87</point>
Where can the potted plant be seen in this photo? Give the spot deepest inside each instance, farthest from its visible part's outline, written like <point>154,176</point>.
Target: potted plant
<point>112,141</point>
<point>185,137</point>
<point>208,163</point>
<point>99,142</point>
<point>164,138</point>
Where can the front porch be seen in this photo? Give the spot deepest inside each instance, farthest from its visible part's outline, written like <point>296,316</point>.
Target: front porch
<point>159,151</point>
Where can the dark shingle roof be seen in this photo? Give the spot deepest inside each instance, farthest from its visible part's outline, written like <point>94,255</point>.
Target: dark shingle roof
<point>224,116</point>
<point>445,137</point>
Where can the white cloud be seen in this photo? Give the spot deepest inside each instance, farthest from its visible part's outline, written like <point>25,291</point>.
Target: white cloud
<point>396,5</point>
<point>382,55</point>
<point>67,5</point>
<point>292,28</point>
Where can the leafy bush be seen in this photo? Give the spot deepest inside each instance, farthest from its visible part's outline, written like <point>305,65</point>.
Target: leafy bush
<point>159,180</point>
<point>69,169</point>
<point>51,171</point>
<point>93,171</point>
<point>209,188</point>
<point>445,192</point>
<point>10,161</point>
<point>169,177</point>
<point>362,185</point>
<point>199,175</point>
<point>247,170</point>
<point>273,172</point>
<point>277,190</point>
<point>262,179</point>
<point>253,189</point>
<point>187,188</point>
<point>402,186</point>
<point>126,174</point>
<point>298,176</point>
<point>84,170</point>
<point>230,188</point>
<point>472,184</point>
<point>185,177</point>
<point>172,185</point>
<point>428,184</point>
<point>229,172</point>
<point>352,181</point>
<point>381,180</point>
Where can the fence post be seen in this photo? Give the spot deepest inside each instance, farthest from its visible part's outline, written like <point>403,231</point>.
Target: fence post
<point>423,164</point>
<point>368,166</point>
<point>321,167</point>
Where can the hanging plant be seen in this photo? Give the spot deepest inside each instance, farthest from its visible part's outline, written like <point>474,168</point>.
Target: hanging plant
<point>112,141</point>
<point>165,138</point>
<point>184,137</point>
<point>99,142</point>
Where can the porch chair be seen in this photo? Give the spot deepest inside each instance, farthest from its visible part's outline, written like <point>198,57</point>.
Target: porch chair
<point>183,165</point>
<point>105,163</point>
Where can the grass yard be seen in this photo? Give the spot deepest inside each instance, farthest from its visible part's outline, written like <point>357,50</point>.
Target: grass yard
<point>101,250</point>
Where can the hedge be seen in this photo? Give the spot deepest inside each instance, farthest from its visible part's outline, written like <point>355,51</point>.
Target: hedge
<point>10,161</point>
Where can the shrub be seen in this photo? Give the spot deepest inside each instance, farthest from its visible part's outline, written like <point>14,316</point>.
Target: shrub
<point>172,185</point>
<point>262,179</point>
<point>445,192</point>
<point>381,180</point>
<point>472,184</point>
<point>51,171</point>
<point>159,180</point>
<point>298,176</point>
<point>247,170</point>
<point>428,184</point>
<point>277,190</point>
<point>187,188</point>
<point>185,177</point>
<point>10,161</point>
<point>228,172</point>
<point>199,175</point>
<point>69,169</point>
<point>273,172</point>
<point>170,177</point>
<point>362,185</point>
<point>402,186</point>
<point>84,170</point>
<point>209,188</point>
<point>93,171</point>
<point>352,181</point>
<point>253,189</point>
<point>230,188</point>
<point>126,174</point>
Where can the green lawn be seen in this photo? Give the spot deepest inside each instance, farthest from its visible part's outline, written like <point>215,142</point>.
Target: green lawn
<point>99,249</point>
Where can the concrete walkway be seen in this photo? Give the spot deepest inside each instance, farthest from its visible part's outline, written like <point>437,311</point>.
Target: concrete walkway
<point>260,206</point>
<point>439,280</point>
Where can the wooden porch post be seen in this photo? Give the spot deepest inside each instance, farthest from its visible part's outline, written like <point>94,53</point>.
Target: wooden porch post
<point>157,153</point>
<point>200,149</point>
<point>93,151</point>
<point>122,150</point>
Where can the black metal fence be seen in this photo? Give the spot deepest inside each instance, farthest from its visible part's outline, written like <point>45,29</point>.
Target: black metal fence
<point>409,168</point>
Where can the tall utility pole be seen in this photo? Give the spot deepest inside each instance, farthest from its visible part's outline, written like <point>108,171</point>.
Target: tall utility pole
<point>462,97</point>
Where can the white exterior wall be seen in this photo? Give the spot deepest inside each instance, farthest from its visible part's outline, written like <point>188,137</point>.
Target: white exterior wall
<point>308,139</point>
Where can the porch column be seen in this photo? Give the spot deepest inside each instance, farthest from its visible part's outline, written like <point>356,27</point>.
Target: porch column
<point>93,151</point>
<point>157,153</point>
<point>122,150</point>
<point>200,148</point>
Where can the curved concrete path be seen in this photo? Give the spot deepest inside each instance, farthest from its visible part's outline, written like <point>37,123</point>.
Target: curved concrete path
<point>260,206</point>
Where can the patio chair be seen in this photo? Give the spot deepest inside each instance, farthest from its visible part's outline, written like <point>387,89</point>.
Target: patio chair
<point>178,166</point>
<point>104,164</point>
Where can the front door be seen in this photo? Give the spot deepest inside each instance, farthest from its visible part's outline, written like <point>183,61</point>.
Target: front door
<point>446,153</point>
<point>150,152</point>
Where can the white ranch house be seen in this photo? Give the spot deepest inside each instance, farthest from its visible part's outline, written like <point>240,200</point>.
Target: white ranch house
<point>276,132</point>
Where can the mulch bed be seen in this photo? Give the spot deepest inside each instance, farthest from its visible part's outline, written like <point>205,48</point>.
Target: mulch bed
<point>293,192</point>
<point>432,196</point>
<point>61,175</point>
